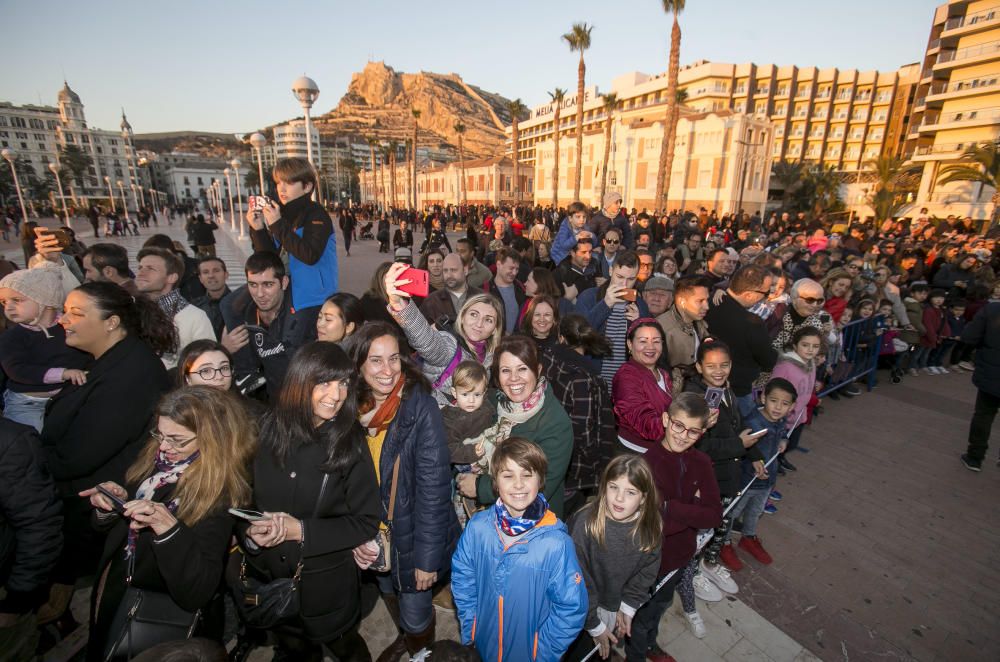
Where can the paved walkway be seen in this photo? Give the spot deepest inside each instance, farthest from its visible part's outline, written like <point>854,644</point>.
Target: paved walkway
<point>885,547</point>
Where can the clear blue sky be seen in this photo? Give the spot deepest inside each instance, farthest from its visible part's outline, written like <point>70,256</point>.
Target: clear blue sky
<point>228,66</point>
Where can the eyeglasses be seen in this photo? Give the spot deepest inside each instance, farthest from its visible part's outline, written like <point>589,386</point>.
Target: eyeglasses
<point>694,434</point>
<point>612,241</point>
<point>208,373</point>
<point>813,301</point>
<point>159,438</point>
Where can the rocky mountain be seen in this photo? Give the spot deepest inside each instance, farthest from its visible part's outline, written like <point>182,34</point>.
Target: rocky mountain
<point>379,99</point>
<point>216,145</point>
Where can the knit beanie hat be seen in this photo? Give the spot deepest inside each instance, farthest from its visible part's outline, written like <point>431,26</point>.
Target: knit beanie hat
<point>43,285</point>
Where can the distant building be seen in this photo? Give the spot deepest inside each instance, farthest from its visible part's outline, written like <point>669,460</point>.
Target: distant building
<point>957,105</point>
<point>488,182</point>
<point>186,177</point>
<point>39,133</point>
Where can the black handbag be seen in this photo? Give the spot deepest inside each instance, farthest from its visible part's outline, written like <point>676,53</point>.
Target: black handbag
<point>266,604</point>
<point>146,618</point>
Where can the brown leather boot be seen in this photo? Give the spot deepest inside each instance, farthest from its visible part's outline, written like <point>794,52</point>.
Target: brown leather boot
<point>397,648</point>
<point>414,642</point>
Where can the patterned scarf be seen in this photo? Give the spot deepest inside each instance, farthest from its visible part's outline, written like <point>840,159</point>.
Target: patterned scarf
<point>387,411</point>
<point>166,473</point>
<point>515,526</point>
<point>172,303</point>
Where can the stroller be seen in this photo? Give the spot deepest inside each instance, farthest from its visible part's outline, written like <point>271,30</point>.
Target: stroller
<point>366,231</point>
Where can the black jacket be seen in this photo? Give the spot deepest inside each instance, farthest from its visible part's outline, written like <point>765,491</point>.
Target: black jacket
<point>213,308</point>
<point>93,432</point>
<point>434,240</point>
<point>403,239</point>
<point>30,519</point>
<point>186,562</point>
<point>983,333</point>
<point>424,529</point>
<point>722,441</point>
<point>748,342</point>
<point>347,516</point>
<point>204,233</point>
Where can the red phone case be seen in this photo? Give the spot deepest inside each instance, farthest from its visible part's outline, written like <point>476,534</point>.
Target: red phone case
<point>419,284</point>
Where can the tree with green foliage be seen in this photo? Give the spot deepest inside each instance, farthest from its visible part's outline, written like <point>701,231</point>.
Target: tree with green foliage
<point>610,105</point>
<point>667,143</point>
<point>516,108</point>
<point>789,174</point>
<point>579,40</point>
<point>982,167</point>
<point>77,162</point>
<point>558,95</point>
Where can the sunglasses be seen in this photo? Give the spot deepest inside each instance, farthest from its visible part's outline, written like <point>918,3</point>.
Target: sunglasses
<point>813,301</point>
<point>612,241</point>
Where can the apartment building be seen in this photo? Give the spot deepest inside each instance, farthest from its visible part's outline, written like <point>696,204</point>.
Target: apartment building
<point>957,104</point>
<point>488,182</point>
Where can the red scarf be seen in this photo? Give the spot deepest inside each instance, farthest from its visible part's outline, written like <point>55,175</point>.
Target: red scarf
<point>387,411</point>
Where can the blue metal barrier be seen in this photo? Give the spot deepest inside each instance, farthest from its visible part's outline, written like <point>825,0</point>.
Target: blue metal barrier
<point>858,354</point>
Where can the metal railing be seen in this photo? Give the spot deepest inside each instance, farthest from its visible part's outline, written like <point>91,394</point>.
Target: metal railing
<point>964,84</point>
<point>972,19</point>
<point>858,354</point>
<point>969,52</point>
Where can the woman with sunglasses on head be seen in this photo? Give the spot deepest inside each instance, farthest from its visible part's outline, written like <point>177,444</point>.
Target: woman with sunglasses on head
<point>170,516</point>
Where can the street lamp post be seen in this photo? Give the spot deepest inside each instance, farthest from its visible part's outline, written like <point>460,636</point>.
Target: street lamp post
<point>62,198</point>
<point>258,141</point>
<point>9,155</point>
<point>121,189</point>
<point>111,193</point>
<point>229,194</point>
<point>235,163</point>
<point>306,91</point>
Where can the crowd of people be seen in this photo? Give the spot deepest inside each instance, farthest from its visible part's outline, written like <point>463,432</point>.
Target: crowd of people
<point>534,445</point>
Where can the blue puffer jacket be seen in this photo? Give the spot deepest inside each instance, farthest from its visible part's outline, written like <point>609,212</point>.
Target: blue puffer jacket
<point>525,602</point>
<point>767,445</point>
<point>424,528</point>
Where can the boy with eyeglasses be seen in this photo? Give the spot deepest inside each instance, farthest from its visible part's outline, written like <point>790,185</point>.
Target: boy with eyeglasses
<point>689,501</point>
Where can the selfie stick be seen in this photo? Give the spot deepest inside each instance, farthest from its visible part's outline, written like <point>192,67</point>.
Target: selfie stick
<point>704,539</point>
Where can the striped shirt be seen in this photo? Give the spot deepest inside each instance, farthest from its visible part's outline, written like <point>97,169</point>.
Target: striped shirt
<point>615,330</point>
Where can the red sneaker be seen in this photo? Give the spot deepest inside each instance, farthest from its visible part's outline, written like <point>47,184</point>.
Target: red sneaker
<point>729,559</point>
<point>753,547</point>
<point>659,655</point>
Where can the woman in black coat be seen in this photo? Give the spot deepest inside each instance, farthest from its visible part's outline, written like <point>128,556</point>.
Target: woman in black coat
<point>175,530</point>
<point>314,479</point>
<point>403,423</point>
<point>93,432</point>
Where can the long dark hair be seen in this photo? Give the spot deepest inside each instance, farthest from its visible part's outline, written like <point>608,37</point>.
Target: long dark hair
<point>576,331</point>
<point>360,343</point>
<point>290,423</point>
<point>192,352</point>
<point>139,316</point>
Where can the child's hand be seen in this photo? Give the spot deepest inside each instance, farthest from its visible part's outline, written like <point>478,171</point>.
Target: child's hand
<point>466,485</point>
<point>747,438</point>
<point>605,641</point>
<point>713,417</point>
<point>480,449</point>
<point>782,445</point>
<point>760,470</point>
<point>77,377</point>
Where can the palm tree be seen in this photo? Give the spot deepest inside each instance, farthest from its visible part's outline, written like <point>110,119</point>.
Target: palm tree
<point>789,174</point>
<point>983,169</point>
<point>579,40</point>
<point>416,116</point>
<point>557,95</point>
<point>393,150</point>
<point>821,186</point>
<point>384,152</point>
<point>371,150</point>
<point>674,7</point>
<point>516,108</point>
<point>460,130</point>
<point>610,104</point>
<point>893,180</point>
<point>408,150</point>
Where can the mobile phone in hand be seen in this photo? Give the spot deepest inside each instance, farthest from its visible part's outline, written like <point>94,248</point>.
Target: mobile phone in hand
<point>419,284</point>
<point>713,397</point>
<point>248,515</point>
<point>629,294</point>
<point>258,202</point>
<point>117,504</point>
<point>62,237</point>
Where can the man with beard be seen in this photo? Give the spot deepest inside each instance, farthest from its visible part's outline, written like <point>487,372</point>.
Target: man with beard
<point>441,306</point>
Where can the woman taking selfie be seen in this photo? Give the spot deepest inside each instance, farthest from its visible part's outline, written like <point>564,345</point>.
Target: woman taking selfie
<point>171,521</point>
<point>315,483</point>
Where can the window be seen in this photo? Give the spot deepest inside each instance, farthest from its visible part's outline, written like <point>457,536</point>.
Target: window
<point>3,120</point>
<point>41,147</point>
<point>24,145</point>
<point>20,136</point>
<point>186,181</point>
<point>200,182</point>
<point>704,178</point>
<point>36,124</point>
<point>39,136</point>
<point>17,122</point>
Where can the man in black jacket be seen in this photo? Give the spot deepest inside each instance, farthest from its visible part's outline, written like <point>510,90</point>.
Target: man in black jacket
<point>31,536</point>
<point>744,332</point>
<point>213,274</point>
<point>983,333</point>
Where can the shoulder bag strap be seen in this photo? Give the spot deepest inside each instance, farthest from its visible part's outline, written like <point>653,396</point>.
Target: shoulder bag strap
<point>392,490</point>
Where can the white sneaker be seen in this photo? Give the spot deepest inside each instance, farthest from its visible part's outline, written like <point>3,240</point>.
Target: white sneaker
<point>697,625</point>
<point>705,589</point>
<point>942,370</point>
<point>914,372</point>
<point>965,365</point>
<point>719,575</point>
<point>930,371</point>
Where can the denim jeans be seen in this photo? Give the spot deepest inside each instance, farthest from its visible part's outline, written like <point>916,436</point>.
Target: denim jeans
<point>415,609</point>
<point>751,506</point>
<point>26,409</point>
<point>939,353</point>
<point>920,357</point>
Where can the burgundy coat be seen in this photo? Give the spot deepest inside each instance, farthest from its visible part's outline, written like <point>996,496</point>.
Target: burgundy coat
<point>640,403</point>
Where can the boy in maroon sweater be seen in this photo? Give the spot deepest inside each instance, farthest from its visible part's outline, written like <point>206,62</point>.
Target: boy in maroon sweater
<point>689,501</point>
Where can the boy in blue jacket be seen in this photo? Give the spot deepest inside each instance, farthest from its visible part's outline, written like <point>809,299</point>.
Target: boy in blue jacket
<point>572,227</point>
<point>516,582</point>
<point>778,399</point>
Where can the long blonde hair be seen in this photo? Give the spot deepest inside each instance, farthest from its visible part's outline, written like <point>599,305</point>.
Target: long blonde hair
<point>648,526</point>
<point>487,298</point>
<point>226,441</point>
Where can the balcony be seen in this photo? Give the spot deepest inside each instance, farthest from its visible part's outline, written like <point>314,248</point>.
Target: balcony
<point>932,152</point>
<point>963,25</point>
<point>964,118</point>
<point>966,87</point>
<point>970,54</point>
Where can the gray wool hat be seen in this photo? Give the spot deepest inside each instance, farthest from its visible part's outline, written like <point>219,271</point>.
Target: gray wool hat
<point>42,284</point>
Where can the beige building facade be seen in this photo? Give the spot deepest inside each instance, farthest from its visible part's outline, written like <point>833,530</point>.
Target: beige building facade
<point>488,182</point>
<point>957,104</point>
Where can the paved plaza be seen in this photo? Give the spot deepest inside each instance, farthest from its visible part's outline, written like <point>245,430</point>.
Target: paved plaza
<point>885,547</point>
